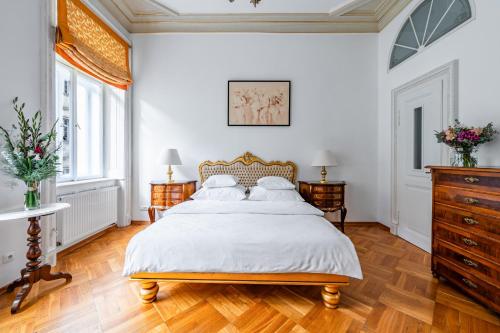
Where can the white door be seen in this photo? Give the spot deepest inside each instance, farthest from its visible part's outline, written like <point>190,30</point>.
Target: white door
<point>420,111</point>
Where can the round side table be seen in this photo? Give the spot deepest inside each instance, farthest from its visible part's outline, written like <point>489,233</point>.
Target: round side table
<point>34,271</point>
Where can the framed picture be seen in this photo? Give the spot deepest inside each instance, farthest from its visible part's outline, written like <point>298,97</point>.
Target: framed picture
<point>258,103</point>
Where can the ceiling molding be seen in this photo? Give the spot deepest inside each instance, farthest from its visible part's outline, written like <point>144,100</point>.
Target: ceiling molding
<point>358,16</point>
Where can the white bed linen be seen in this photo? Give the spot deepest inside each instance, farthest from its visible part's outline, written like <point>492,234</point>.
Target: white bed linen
<point>242,237</point>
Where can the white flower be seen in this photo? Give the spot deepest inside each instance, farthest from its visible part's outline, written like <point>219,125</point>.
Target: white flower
<point>31,153</point>
<point>17,150</point>
<point>37,157</point>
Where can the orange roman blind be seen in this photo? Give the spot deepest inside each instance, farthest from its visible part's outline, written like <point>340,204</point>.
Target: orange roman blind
<point>89,44</point>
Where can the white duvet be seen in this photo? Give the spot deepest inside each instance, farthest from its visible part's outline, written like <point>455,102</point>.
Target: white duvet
<point>242,237</point>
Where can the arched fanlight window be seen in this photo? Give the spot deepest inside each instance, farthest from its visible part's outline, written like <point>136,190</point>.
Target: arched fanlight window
<point>431,20</point>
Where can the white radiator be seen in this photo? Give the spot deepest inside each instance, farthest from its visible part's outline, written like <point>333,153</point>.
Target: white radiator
<point>90,212</point>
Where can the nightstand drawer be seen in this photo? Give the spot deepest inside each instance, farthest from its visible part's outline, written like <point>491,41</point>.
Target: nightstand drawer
<point>326,204</point>
<point>327,196</point>
<point>327,189</point>
<point>171,195</point>
<point>468,241</point>
<point>469,200</point>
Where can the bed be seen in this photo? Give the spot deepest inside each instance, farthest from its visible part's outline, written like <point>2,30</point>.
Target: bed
<point>243,242</point>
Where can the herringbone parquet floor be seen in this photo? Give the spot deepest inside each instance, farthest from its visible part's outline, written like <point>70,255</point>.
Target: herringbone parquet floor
<point>398,294</point>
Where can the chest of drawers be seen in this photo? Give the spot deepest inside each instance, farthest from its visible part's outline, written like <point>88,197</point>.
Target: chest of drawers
<point>466,231</point>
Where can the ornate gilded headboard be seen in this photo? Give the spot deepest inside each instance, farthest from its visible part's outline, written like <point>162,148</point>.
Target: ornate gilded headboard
<point>248,168</point>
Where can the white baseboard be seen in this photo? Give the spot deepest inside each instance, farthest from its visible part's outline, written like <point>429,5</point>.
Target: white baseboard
<point>415,238</point>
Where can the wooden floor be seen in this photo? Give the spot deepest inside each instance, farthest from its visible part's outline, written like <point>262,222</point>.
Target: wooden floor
<point>398,294</point>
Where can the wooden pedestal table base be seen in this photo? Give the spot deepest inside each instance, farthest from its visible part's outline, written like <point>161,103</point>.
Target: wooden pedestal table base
<point>34,271</point>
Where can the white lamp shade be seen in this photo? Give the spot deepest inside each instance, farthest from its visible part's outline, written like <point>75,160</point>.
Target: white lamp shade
<point>171,157</point>
<point>324,158</point>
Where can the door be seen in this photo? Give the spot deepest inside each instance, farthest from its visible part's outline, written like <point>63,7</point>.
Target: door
<point>420,111</point>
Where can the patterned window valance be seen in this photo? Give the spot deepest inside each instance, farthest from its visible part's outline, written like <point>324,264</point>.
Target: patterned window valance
<point>88,43</point>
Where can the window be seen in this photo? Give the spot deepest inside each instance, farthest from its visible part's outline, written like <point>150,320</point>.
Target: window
<point>431,20</point>
<point>79,103</point>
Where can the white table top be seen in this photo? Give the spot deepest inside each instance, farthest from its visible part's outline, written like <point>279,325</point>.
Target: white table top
<point>44,210</point>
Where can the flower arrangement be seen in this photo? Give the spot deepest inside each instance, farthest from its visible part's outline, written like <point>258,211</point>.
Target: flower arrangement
<point>29,155</point>
<point>465,141</point>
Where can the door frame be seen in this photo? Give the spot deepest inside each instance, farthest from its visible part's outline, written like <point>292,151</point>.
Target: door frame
<point>449,73</point>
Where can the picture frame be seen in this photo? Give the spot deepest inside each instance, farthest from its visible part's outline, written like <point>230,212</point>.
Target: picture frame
<point>259,103</point>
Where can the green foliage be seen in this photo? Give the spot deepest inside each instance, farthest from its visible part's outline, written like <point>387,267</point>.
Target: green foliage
<point>28,154</point>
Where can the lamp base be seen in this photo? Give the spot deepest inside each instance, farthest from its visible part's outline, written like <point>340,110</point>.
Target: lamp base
<point>169,174</point>
<point>323,175</point>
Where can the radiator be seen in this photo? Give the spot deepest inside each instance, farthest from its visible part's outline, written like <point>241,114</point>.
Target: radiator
<point>90,212</point>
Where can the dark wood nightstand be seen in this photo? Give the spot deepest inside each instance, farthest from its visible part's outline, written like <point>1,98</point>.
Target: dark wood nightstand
<point>329,197</point>
<point>165,195</point>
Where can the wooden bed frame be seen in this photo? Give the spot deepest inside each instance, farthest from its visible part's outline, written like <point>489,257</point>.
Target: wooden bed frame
<point>249,169</point>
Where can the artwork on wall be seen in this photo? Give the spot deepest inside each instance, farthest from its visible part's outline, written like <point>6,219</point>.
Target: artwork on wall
<point>258,103</point>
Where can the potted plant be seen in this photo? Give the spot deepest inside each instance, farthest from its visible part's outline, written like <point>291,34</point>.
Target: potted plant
<point>28,154</point>
<point>465,142</point>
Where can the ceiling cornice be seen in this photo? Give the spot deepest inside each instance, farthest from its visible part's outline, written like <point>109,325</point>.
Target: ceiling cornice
<point>352,17</point>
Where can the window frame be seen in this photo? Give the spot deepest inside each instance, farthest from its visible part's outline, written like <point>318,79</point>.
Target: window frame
<point>424,48</point>
<point>75,74</point>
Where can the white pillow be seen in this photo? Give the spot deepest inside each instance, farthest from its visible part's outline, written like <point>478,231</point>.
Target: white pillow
<point>259,193</point>
<point>220,181</point>
<point>275,183</point>
<point>234,193</point>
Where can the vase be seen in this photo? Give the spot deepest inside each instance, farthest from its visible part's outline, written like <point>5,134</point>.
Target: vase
<point>464,158</point>
<point>32,195</point>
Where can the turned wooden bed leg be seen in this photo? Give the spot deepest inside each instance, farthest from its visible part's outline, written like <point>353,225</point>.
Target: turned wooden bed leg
<point>149,290</point>
<point>331,296</point>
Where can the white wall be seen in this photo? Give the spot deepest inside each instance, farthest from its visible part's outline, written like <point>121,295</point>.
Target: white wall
<point>20,76</point>
<point>180,101</point>
<point>476,47</point>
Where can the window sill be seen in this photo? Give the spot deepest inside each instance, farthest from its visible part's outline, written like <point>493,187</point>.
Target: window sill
<point>84,185</point>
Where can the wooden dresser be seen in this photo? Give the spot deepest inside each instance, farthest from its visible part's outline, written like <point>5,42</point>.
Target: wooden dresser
<point>329,197</point>
<point>466,231</point>
<point>165,195</point>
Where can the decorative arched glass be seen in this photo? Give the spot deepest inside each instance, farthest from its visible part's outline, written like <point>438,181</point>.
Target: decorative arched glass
<point>431,20</point>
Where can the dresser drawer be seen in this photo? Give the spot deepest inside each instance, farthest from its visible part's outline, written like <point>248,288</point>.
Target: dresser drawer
<point>468,262</point>
<point>327,189</point>
<point>467,220</point>
<point>469,283</point>
<point>467,241</point>
<point>469,200</point>
<point>477,181</point>
<point>327,196</point>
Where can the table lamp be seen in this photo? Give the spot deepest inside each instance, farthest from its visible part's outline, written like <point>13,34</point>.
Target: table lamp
<point>170,157</point>
<point>323,159</point>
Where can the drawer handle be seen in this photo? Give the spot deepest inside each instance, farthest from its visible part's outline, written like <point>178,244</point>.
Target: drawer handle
<point>470,263</point>
<point>469,283</point>
<point>471,180</point>
<point>469,242</point>
<point>471,201</point>
<point>470,221</point>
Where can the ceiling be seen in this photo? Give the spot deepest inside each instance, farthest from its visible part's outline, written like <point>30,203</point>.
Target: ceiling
<point>150,16</point>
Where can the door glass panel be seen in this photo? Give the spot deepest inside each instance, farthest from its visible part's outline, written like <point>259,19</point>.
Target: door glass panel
<point>64,120</point>
<point>417,138</point>
<point>400,54</point>
<point>419,18</point>
<point>407,36</point>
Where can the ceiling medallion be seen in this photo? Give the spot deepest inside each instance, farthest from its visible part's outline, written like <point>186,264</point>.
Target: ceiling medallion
<point>254,2</point>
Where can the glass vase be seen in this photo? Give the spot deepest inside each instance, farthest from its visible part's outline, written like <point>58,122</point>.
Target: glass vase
<point>464,158</point>
<point>32,195</point>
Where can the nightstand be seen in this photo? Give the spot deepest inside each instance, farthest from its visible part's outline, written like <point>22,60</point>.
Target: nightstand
<point>165,195</point>
<point>329,197</point>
